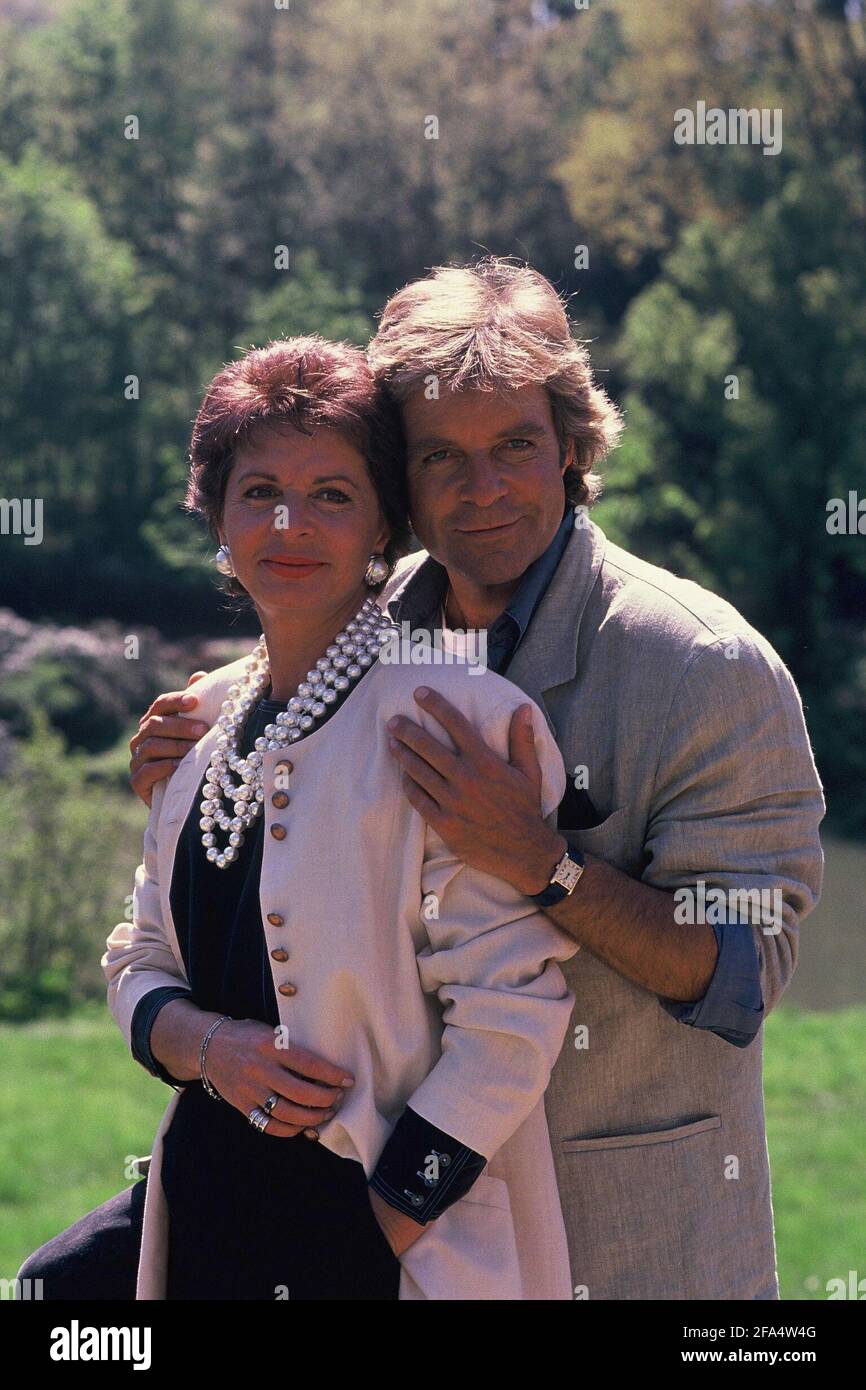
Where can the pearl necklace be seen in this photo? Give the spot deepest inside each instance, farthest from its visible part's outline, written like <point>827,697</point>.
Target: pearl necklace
<point>344,662</point>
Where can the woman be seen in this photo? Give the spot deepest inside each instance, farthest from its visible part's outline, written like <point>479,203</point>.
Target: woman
<point>292,906</point>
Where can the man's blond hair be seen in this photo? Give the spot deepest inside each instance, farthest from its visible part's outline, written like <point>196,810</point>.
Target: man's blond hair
<point>497,325</point>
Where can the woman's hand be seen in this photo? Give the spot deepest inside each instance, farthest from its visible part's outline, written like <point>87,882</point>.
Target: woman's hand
<point>162,741</point>
<point>244,1064</point>
<point>399,1230</point>
<point>246,1067</point>
<point>241,1065</point>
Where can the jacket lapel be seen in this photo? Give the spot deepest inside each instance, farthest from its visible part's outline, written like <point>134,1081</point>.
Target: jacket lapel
<point>547,654</point>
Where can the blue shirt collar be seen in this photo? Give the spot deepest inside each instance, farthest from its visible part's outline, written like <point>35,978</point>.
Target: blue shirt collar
<point>423,595</point>
<point>535,581</point>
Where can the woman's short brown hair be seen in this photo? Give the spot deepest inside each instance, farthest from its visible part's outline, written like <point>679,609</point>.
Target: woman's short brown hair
<point>301,384</point>
<point>497,325</point>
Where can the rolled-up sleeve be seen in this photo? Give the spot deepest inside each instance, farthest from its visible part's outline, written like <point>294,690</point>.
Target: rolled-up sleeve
<point>732,1006</point>
<point>736,806</point>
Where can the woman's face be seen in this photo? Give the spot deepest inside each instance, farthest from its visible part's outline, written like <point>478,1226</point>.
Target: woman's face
<point>301,519</point>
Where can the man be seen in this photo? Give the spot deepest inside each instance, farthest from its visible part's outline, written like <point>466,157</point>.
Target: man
<point>687,846</point>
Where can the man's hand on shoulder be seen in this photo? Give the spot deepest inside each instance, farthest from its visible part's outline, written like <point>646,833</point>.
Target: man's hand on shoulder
<point>165,735</point>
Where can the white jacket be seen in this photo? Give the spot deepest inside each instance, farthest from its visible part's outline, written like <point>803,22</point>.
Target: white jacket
<point>462,1015</point>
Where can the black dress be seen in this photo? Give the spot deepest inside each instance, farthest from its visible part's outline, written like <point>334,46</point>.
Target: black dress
<point>252,1216</point>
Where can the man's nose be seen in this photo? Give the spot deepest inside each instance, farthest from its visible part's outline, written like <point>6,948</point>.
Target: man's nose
<point>482,482</point>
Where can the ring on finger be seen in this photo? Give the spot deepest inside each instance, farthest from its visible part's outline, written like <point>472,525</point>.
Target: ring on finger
<point>258,1118</point>
<point>270,1103</point>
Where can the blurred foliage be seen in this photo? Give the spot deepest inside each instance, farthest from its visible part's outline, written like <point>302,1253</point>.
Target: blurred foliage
<point>308,299</point>
<point>69,851</point>
<point>87,681</point>
<point>131,269</point>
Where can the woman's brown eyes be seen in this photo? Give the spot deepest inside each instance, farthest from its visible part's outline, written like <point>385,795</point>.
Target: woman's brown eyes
<point>265,490</point>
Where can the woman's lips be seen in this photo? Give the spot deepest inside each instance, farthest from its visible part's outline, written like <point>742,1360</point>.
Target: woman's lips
<point>293,569</point>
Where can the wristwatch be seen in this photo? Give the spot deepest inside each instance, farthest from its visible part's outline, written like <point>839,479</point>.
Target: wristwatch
<point>565,877</point>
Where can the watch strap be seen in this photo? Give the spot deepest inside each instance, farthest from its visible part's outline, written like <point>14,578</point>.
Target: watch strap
<point>555,892</point>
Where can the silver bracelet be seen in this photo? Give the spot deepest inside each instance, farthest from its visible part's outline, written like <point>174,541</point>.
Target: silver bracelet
<point>212,1092</point>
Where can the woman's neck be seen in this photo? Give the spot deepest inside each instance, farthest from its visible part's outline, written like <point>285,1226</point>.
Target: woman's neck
<point>297,640</point>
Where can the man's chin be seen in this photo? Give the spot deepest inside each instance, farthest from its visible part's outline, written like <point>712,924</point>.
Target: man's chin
<point>489,571</point>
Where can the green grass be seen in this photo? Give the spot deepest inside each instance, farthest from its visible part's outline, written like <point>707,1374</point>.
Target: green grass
<point>73,1105</point>
<point>815,1093</point>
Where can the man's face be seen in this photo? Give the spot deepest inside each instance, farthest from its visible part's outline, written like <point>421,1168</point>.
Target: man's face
<point>485,481</point>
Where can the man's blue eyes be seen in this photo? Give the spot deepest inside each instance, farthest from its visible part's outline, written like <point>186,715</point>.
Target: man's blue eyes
<point>438,454</point>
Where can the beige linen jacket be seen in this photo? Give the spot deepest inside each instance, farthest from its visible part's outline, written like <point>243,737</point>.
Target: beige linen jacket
<point>690,731</point>
<point>456,1007</point>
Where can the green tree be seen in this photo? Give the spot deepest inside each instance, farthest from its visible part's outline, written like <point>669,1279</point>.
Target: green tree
<point>69,849</point>
<point>68,294</point>
<point>746,414</point>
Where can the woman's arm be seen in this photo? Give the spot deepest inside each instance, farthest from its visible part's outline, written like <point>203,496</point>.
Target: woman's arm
<point>138,957</point>
<point>490,959</point>
<point>244,1063</point>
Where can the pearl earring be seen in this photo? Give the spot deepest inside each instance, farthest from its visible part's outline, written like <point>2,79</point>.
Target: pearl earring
<point>377,570</point>
<point>223,561</point>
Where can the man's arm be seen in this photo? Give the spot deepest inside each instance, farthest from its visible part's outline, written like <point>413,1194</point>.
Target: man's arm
<point>487,812</point>
<point>737,802</point>
<point>631,927</point>
<point>736,805</point>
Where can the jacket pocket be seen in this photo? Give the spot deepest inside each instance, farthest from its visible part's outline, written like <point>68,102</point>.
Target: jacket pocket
<point>652,1136</point>
<point>653,1215</point>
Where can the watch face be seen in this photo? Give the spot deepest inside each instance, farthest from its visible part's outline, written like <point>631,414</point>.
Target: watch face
<point>567,873</point>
